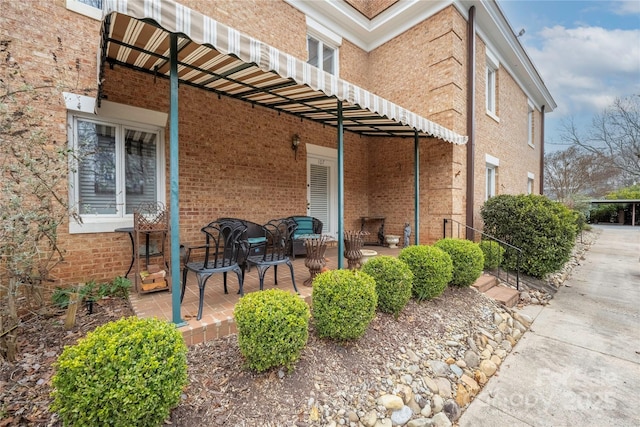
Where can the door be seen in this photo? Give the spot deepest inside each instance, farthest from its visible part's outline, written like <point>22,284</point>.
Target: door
<point>322,189</point>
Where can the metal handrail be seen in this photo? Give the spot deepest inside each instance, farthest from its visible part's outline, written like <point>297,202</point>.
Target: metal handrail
<point>469,233</point>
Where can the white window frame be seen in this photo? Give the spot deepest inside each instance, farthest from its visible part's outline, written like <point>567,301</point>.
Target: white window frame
<point>491,174</point>
<point>491,89</point>
<point>530,182</point>
<point>121,116</point>
<point>84,9</point>
<point>530,124</point>
<point>325,38</point>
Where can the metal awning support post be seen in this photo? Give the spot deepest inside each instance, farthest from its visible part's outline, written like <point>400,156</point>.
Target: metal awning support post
<point>416,178</point>
<point>633,215</point>
<point>174,191</point>
<point>340,187</point>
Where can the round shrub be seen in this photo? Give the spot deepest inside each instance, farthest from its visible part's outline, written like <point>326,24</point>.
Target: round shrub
<point>393,282</point>
<point>493,254</point>
<point>273,327</point>
<point>467,259</point>
<point>125,373</point>
<point>432,270</point>
<point>344,303</point>
<point>544,230</point>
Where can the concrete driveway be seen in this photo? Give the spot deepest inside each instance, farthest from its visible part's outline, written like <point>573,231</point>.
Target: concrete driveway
<point>579,364</point>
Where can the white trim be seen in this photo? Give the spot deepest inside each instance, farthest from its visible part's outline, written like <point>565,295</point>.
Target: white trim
<point>80,103</point>
<point>493,116</point>
<point>84,9</point>
<point>129,113</point>
<point>323,34</point>
<point>492,58</point>
<point>530,175</point>
<point>490,160</point>
<point>317,150</point>
<point>530,123</point>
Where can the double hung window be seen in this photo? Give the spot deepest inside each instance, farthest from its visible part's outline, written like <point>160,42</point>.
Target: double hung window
<point>118,165</point>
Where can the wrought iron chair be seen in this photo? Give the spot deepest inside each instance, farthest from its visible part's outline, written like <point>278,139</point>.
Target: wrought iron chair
<point>222,249</point>
<point>274,250</point>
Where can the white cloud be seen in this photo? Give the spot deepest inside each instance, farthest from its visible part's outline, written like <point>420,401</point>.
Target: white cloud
<point>626,7</point>
<point>585,68</point>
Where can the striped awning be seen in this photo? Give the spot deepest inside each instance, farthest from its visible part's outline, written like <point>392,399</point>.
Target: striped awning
<point>220,59</point>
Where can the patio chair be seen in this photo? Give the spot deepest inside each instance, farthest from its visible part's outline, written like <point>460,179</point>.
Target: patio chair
<point>274,250</point>
<point>222,249</point>
<point>306,225</point>
<point>253,239</point>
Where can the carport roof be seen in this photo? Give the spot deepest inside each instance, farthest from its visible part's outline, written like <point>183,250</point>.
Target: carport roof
<point>212,56</point>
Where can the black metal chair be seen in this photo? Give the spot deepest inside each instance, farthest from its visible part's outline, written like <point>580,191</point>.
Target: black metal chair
<point>253,238</point>
<point>222,249</point>
<point>274,250</point>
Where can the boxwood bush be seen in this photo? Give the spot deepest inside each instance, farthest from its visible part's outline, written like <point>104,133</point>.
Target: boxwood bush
<point>344,303</point>
<point>393,280</point>
<point>467,258</point>
<point>125,373</point>
<point>493,254</point>
<point>273,327</point>
<point>544,230</point>
<point>431,267</point>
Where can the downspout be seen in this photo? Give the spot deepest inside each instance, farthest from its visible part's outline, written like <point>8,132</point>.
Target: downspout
<point>471,116</point>
<point>542,150</point>
<point>416,184</point>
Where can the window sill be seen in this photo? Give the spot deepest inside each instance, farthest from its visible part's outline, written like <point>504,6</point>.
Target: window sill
<point>493,116</point>
<point>84,9</point>
<point>99,225</point>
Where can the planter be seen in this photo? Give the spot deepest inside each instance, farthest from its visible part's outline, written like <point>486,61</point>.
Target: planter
<point>392,240</point>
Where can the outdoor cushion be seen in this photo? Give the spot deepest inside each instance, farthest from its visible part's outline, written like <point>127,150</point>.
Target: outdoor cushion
<point>305,225</point>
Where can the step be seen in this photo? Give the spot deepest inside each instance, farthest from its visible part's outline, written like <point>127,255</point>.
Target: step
<point>485,282</point>
<point>504,295</point>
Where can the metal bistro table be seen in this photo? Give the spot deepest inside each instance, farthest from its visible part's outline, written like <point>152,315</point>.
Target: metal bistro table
<point>316,245</point>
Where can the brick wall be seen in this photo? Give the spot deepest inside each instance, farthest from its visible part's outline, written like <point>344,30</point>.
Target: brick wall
<point>237,161</point>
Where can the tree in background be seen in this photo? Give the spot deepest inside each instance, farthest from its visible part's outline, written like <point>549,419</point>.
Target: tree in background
<point>575,173</point>
<point>613,137</point>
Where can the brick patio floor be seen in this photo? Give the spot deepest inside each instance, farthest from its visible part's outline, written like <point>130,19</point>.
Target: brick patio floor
<point>217,315</point>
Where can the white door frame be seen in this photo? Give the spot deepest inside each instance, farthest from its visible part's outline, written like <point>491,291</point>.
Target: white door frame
<point>326,157</point>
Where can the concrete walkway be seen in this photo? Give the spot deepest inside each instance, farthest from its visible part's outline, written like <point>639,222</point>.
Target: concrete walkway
<point>579,364</point>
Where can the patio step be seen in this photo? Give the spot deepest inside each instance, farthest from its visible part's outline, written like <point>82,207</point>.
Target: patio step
<point>485,282</point>
<point>504,295</point>
<point>491,287</point>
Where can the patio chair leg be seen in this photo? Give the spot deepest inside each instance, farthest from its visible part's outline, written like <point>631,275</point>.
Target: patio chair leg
<point>184,283</point>
<point>224,280</point>
<point>240,282</point>
<point>275,274</point>
<point>202,281</point>
<point>293,279</point>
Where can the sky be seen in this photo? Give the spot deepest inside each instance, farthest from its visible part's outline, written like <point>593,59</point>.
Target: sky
<point>587,52</point>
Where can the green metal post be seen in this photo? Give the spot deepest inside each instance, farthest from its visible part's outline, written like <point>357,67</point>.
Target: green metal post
<point>340,188</point>
<point>416,167</point>
<point>173,166</point>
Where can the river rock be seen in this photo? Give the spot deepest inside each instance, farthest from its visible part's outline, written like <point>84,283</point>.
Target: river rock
<point>391,402</point>
<point>437,403</point>
<point>462,396</point>
<point>420,422</point>
<point>370,419</point>
<point>401,416</point>
<point>444,387</point>
<point>452,409</point>
<point>439,368</point>
<point>488,368</point>
<point>471,358</point>
<point>441,420</point>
